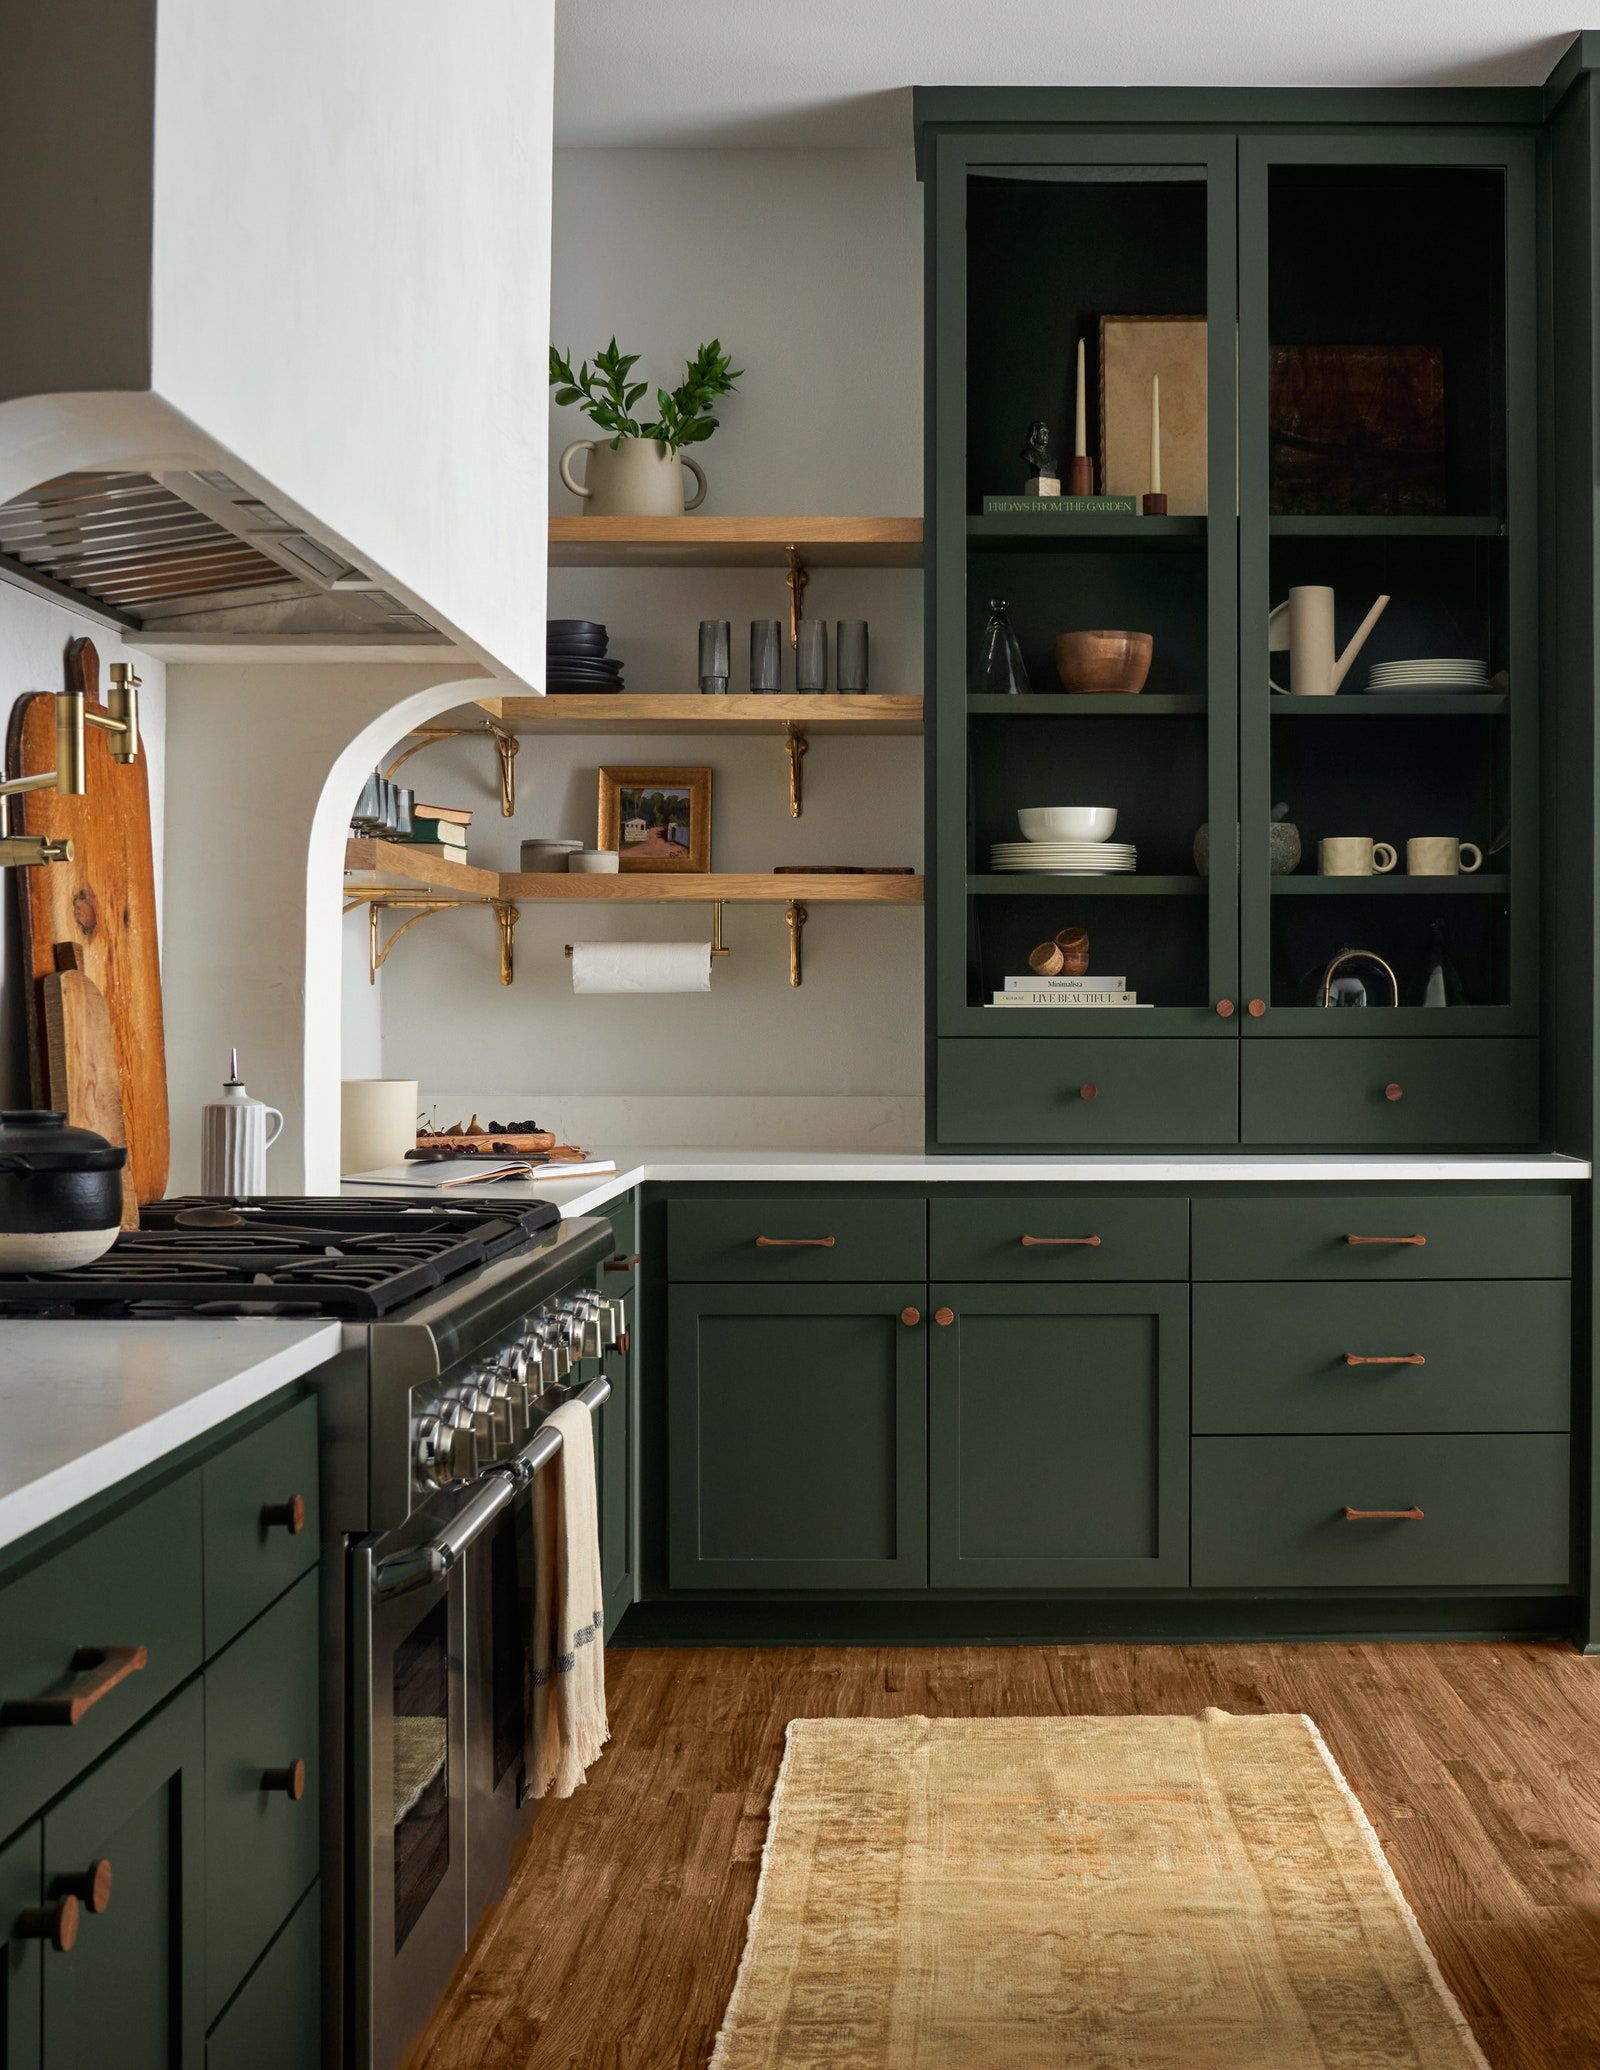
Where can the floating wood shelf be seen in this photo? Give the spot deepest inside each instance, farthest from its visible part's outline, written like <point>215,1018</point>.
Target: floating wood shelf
<point>735,542</point>
<point>689,712</point>
<point>396,865</point>
<point>731,886</point>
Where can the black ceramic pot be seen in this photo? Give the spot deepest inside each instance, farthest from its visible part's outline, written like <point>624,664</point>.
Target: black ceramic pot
<point>60,1193</point>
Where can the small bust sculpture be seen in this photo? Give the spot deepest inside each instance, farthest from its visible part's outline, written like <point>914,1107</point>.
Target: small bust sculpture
<point>1037,451</point>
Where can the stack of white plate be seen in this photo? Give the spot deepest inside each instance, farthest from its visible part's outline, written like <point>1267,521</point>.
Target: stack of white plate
<point>1065,858</point>
<point>1439,673</point>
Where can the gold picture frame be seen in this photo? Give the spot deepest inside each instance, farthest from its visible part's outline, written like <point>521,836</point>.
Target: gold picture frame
<point>1132,349</point>
<point>657,819</point>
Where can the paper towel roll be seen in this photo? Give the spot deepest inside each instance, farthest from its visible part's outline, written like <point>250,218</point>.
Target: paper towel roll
<point>377,1122</point>
<point>641,966</point>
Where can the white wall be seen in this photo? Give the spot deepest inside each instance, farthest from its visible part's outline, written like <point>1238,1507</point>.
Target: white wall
<point>808,267</point>
<point>350,279</point>
<point>33,640</point>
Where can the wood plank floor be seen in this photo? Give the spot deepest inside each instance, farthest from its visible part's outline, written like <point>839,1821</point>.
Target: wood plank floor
<point>1479,1765</point>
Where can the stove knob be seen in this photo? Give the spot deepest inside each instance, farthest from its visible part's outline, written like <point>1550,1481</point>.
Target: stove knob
<point>512,1359</point>
<point>585,1329</point>
<point>603,1312</point>
<point>446,1449</point>
<point>504,1388</point>
<point>557,1352</point>
<point>478,1413</point>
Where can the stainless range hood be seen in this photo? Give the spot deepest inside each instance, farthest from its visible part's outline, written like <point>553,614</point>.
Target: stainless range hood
<point>189,562</point>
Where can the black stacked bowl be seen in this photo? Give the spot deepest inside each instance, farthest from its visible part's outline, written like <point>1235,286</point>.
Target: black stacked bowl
<point>576,658</point>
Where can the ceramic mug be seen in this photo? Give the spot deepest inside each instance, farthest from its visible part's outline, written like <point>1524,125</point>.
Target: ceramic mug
<point>1441,855</point>
<point>1354,855</point>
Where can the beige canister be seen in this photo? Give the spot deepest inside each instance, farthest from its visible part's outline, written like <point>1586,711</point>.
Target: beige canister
<point>377,1122</point>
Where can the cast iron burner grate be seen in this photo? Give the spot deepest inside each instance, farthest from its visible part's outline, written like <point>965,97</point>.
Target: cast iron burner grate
<point>356,1259</point>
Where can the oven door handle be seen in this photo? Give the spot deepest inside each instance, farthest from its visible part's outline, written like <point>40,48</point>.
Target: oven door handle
<point>418,1565</point>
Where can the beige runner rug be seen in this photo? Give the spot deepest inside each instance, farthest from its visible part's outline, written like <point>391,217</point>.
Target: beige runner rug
<point>1016,1893</point>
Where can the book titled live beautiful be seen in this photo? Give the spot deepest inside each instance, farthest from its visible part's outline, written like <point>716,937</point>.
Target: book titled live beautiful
<point>1065,999</point>
<point>1060,506</point>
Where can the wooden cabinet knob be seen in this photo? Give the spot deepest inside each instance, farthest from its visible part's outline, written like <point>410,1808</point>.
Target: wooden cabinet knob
<point>911,1317</point>
<point>290,1781</point>
<point>291,1515</point>
<point>1225,1009</point>
<point>944,1317</point>
<point>624,1261</point>
<point>91,1886</point>
<point>57,1924</point>
<point>1255,1008</point>
<point>1088,1092</point>
<point>1393,1092</point>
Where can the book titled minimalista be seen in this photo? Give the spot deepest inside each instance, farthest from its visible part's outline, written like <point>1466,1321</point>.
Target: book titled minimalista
<point>1065,984</point>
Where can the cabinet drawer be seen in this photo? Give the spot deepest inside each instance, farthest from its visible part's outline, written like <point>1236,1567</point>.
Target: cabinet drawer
<point>1485,1236</point>
<point>133,1582</point>
<point>1471,1093</point>
<point>255,1495</point>
<point>1269,1512</point>
<point>275,2022</point>
<point>261,1841</point>
<point>1440,1357</point>
<point>1074,1236</point>
<point>1089,1093</point>
<point>786,1237</point>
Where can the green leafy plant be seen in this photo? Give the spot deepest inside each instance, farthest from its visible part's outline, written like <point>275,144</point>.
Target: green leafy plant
<point>606,395</point>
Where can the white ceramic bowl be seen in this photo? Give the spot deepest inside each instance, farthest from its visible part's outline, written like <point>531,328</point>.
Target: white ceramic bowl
<point>1068,822</point>
<point>593,862</point>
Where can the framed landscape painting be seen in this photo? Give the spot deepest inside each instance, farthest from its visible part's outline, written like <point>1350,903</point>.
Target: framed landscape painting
<point>657,819</point>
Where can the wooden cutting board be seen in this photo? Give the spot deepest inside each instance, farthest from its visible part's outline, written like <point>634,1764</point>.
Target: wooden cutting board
<point>82,1080</point>
<point>103,902</point>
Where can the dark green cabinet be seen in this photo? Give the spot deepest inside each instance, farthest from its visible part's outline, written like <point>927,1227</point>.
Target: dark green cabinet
<point>797,1436</point>
<point>132,1988</point>
<point>21,1895</point>
<point>275,2022</point>
<point>616,1425</point>
<point>1059,1429</point>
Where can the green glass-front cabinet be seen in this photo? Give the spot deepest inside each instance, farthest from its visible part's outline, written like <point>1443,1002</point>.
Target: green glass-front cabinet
<point>1360,415</point>
<point>1059,1437</point>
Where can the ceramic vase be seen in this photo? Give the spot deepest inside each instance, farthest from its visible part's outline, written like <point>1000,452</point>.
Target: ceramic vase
<point>637,477</point>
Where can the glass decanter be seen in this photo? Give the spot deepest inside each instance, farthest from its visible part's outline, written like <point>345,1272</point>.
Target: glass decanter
<point>1000,670</point>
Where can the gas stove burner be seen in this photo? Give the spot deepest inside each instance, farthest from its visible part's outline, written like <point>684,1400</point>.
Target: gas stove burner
<point>357,1259</point>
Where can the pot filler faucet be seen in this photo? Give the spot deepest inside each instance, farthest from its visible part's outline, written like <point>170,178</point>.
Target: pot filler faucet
<point>120,718</point>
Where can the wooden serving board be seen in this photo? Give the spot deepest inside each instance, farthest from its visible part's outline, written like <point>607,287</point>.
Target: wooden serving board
<point>103,902</point>
<point>81,1059</point>
<point>521,1144</point>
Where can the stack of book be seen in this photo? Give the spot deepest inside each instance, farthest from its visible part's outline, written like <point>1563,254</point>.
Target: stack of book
<point>1065,991</point>
<point>441,830</point>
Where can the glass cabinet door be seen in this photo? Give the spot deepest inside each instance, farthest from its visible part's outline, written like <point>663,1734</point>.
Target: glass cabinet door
<point>1122,248</point>
<point>1387,451</point>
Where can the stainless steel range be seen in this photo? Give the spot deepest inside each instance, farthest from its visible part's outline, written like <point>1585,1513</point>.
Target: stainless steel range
<point>464,1324</point>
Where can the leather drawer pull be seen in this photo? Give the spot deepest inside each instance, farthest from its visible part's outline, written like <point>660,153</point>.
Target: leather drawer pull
<point>1413,1515</point>
<point>1418,1240</point>
<point>795,1243</point>
<point>1033,1242</point>
<point>1395,1358</point>
<point>290,1515</point>
<point>98,1668</point>
<point>624,1261</point>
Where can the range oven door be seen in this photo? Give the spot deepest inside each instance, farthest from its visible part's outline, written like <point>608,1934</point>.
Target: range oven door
<point>499,1688</point>
<point>409,1799</point>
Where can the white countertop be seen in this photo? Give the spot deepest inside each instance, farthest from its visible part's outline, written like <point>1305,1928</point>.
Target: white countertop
<point>582,1195</point>
<point>85,1404</point>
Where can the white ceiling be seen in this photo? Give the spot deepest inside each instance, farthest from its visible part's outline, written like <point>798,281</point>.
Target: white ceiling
<point>839,72</point>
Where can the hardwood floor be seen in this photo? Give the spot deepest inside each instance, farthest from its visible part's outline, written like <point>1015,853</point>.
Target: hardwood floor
<point>1479,1765</point>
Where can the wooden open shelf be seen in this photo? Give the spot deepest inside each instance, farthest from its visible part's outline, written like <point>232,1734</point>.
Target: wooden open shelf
<point>735,542</point>
<point>689,712</point>
<point>392,865</point>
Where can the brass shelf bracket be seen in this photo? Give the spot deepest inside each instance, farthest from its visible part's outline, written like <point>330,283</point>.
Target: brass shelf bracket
<point>794,746</point>
<point>506,747</point>
<point>795,916</point>
<point>423,908</point>
<point>795,582</point>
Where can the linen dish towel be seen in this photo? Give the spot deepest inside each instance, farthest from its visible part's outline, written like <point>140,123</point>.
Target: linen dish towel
<point>569,1662</point>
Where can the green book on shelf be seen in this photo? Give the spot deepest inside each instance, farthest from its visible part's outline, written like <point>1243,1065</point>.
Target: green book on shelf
<point>438,830</point>
<point>1060,506</point>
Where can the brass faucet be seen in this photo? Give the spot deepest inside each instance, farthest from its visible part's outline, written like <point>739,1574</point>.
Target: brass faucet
<point>120,718</point>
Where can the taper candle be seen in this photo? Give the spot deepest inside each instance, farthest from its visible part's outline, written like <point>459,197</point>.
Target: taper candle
<point>1080,426</point>
<point>1155,434</point>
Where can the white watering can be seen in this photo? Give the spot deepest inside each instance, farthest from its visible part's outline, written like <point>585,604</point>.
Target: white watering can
<point>1304,626</point>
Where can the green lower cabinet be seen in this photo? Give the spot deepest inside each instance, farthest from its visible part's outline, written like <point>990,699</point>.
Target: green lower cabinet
<point>797,1445</point>
<point>1087,1093</point>
<point>131,1991</point>
<point>275,2022</point>
<point>1388,1095</point>
<point>21,1888</point>
<point>1382,1512</point>
<point>1059,1438</point>
<point>261,1839</point>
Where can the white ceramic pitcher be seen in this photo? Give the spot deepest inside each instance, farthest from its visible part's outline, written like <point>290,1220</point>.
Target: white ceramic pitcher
<point>638,477</point>
<point>1304,626</point>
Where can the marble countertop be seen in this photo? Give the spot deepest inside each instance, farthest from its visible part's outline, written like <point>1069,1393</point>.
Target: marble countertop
<point>584,1194</point>
<point>85,1404</point>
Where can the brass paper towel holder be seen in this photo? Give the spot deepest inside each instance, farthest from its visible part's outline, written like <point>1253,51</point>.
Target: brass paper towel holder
<point>718,947</point>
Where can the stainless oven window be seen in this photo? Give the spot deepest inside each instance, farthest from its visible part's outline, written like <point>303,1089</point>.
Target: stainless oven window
<point>511,1627</point>
<point>421,1790</point>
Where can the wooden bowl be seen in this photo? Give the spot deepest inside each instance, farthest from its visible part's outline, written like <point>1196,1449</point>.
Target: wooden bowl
<point>1073,942</point>
<point>1100,662</point>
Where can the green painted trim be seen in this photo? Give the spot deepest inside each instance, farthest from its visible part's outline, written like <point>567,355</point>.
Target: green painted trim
<point>1581,55</point>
